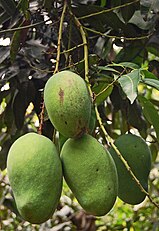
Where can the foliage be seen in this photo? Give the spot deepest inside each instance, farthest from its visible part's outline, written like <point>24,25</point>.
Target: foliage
<point>122,42</point>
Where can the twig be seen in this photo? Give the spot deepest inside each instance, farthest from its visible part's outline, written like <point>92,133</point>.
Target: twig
<point>41,118</point>
<point>109,85</point>
<point>73,48</point>
<point>118,37</point>
<point>86,57</point>
<point>23,27</point>
<point>110,141</point>
<point>66,51</point>
<point>108,10</point>
<point>72,65</point>
<point>60,36</point>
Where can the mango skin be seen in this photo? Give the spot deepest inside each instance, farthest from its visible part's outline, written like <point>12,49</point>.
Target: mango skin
<point>35,174</point>
<point>90,172</point>
<point>68,103</point>
<point>137,153</point>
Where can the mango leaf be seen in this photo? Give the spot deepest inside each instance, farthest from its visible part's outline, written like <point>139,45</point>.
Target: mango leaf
<point>150,113</point>
<point>4,153</point>
<point>148,74</point>
<point>18,40</point>
<point>99,21</point>
<point>127,12</point>
<point>152,83</point>
<point>129,83</point>
<point>102,68</point>
<point>138,21</point>
<point>15,45</point>
<point>154,151</point>
<point>103,3</point>
<point>136,119</point>
<point>129,65</point>
<point>24,96</point>
<point>102,91</point>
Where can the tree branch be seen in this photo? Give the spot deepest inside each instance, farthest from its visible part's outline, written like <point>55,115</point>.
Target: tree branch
<point>24,27</point>
<point>86,57</point>
<point>108,10</point>
<point>118,37</point>
<point>60,36</point>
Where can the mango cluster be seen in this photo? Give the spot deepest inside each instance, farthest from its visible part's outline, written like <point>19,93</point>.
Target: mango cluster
<point>95,175</point>
<point>88,169</point>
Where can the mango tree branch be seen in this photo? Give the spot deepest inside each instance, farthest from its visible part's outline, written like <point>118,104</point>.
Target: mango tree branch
<point>118,37</point>
<point>60,36</point>
<point>111,84</point>
<point>41,118</point>
<point>24,27</point>
<point>110,141</point>
<point>66,51</point>
<point>86,57</point>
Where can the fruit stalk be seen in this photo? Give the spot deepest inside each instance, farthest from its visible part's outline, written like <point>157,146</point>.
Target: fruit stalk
<point>85,45</point>
<point>59,37</point>
<point>41,118</point>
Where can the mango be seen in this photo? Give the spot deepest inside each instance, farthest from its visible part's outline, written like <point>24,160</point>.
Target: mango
<point>90,173</point>
<point>35,175</point>
<point>68,103</point>
<point>137,153</point>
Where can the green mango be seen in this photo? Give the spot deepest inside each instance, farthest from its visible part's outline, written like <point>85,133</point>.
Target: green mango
<point>68,103</point>
<point>138,156</point>
<point>90,172</point>
<point>35,175</point>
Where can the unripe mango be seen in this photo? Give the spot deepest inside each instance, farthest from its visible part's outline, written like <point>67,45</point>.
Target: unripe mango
<point>90,172</point>
<point>137,154</point>
<point>35,175</point>
<point>68,103</point>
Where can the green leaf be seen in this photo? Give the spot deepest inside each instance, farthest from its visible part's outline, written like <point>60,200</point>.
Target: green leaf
<point>103,94</point>
<point>148,74</point>
<point>25,95</point>
<point>129,83</point>
<point>150,113</point>
<point>98,22</point>
<point>127,12</point>
<point>103,3</point>
<point>4,153</point>
<point>129,65</point>
<point>133,52</point>
<point>18,40</point>
<point>15,44</point>
<point>102,68</point>
<point>138,20</point>
<point>152,83</point>
<point>136,119</point>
